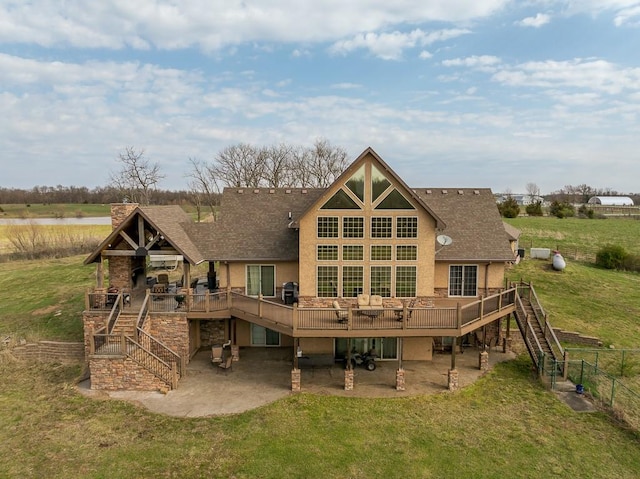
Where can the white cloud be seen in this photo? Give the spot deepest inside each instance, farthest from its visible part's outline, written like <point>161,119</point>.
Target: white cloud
<point>536,22</point>
<point>425,55</point>
<point>628,16</point>
<point>215,24</point>
<point>345,86</point>
<point>475,61</point>
<point>390,46</point>
<point>597,75</point>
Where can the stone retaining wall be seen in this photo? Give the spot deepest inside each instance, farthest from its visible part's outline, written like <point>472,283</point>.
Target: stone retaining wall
<point>577,338</point>
<point>50,352</point>
<point>120,373</point>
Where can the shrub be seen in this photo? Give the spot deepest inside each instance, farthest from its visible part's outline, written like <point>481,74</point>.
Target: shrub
<point>562,209</point>
<point>534,209</point>
<point>509,208</point>
<point>632,263</point>
<point>611,257</point>
<point>584,212</point>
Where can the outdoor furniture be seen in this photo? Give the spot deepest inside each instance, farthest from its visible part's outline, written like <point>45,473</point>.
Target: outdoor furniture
<point>227,364</point>
<point>159,288</point>
<point>342,315</point>
<point>370,305</point>
<point>163,278</point>
<point>216,354</point>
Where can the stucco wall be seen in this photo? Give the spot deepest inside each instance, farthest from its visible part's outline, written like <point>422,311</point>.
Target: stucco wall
<point>285,272</point>
<point>493,280</point>
<point>417,349</point>
<point>425,241</point>
<point>316,345</point>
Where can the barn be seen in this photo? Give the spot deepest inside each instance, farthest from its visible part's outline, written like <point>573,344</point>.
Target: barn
<point>611,201</point>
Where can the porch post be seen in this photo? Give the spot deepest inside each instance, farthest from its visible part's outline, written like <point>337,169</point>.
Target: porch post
<point>400,378</point>
<point>100,273</point>
<point>506,346</point>
<point>453,352</point>
<point>348,372</point>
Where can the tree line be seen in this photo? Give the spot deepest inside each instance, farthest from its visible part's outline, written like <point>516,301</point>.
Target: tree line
<point>137,179</point>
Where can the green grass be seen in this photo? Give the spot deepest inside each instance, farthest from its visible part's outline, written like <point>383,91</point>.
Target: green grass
<point>571,234</point>
<point>44,299</point>
<point>54,210</point>
<point>505,425</point>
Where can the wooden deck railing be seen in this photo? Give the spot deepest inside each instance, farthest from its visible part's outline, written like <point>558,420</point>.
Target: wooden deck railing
<point>453,321</point>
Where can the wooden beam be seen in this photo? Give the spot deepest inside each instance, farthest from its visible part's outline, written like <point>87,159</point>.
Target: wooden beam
<point>153,241</point>
<point>119,252</point>
<point>141,238</point>
<point>128,239</point>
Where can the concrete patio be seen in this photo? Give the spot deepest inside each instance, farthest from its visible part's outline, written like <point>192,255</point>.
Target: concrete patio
<point>262,376</point>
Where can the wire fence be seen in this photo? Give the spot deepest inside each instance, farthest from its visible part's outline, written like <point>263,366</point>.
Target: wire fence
<point>607,391</point>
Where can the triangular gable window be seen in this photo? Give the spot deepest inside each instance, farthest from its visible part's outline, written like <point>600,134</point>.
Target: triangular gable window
<point>340,201</point>
<point>379,183</point>
<point>356,183</point>
<point>395,201</point>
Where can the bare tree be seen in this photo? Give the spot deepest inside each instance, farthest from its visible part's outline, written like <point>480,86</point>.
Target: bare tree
<point>203,186</point>
<point>322,164</point>
<point>277,162</point>
<point>137,177</point>
<point>533,191</point>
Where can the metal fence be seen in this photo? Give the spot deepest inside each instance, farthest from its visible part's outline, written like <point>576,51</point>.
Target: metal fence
<point>607,391</point>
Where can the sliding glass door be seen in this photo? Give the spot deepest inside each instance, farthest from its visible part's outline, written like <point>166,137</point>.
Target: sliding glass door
<point>261,279</point>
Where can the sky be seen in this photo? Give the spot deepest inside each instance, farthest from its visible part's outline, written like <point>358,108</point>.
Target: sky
<point>450,93</point>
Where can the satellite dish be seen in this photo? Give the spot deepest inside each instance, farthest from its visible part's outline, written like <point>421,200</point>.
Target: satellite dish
<point>444,240</point>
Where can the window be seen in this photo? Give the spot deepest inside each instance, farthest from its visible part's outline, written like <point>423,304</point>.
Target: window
<point>327,252</point>
<point>340,201</point>
<point>261,336</point>
<point>327,227</point>
<point>381,280</point>
<point>261,279</point>
<point>352,281</point>
<point>407,227</point>
<point>406,252</point>
<point>356,183</point>
<point>379,183</point>
<point>463,280</point>
<point>380,252</point>
<point>381,227</point>
<point>395,201</point>
<point>327,281</point>
<point>352,252</point>
<point>352,227</point>
<point>405,281</point>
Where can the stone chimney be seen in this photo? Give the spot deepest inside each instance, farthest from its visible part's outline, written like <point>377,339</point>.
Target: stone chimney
<point>119,212</point>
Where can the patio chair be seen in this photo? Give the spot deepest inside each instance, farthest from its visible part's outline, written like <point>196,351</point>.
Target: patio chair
<point>216,354</point>
<point>163,278</point>
<point>227,364</point>
<point>342,315</point>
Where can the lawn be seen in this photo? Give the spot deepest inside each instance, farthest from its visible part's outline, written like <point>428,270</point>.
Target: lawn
<point>505,425</point>
<point>54,210</point>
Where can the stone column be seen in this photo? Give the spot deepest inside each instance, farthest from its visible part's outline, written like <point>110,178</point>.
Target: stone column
<point>400,382</point>
<point>348,379</point>
<point>295,380</point>
<point>453,380</point>
<point>484,361</point>
<point>235,352</point>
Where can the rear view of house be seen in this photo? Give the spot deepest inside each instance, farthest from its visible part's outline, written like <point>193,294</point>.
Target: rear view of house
<point>328,272</point>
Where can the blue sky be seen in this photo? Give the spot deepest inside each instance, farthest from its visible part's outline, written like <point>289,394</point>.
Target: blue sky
<point>467,93</point>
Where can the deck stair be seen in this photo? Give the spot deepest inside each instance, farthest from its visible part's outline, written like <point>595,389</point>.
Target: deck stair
<point>542,344</point>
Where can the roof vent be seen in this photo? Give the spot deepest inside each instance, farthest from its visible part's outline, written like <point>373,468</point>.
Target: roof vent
<point>444,192</point>
<point>287,192</point>
<point>256,191</point>
<point>428,192</point>
<point>240,191</point>
<point>476,192</point>
<point>460,192</point>
<point>272,191</point>
<point>304,192</point>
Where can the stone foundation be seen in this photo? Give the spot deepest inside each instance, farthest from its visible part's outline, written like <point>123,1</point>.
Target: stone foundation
<point>295,380</point>
<point>235,352</point>
<point>348,379</point>
<point>212,333</point>
<point>453,382</point>
<point>400,381</point>
<point>50,352</point>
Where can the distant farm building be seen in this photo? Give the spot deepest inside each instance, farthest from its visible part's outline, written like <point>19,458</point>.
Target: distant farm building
<point>522,200</point>
<point>611,201</point>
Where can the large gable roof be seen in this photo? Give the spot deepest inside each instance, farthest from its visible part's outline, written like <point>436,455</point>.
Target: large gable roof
<point>351,169</point>
<point>473,222</point>
<point>170,221</point>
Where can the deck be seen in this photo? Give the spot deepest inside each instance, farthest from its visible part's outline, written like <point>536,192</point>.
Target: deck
<point>452,321</point>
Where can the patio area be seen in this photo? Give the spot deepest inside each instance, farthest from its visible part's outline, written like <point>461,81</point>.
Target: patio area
<point>262,376</point>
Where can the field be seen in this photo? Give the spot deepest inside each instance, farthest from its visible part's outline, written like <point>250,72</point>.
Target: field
<point>53,210</point>
<point>505,425</point>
